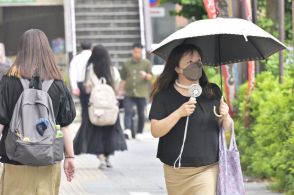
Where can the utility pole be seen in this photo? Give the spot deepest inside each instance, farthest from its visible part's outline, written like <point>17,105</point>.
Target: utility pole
<point>281,8</point>
<point>254,11</point>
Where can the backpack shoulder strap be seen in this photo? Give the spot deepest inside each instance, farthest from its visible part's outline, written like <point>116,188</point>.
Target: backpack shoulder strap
<point>47,84</point>
<point>25,83</point>
<point>94,79</point>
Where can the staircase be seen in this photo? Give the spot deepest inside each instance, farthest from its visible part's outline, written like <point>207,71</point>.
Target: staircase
<point>112,23</point>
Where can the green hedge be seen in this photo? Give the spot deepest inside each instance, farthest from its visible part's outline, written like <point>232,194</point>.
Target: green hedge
<point>267,144</point>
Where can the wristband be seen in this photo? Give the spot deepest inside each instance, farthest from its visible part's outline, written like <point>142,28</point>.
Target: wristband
<point>69,157</point>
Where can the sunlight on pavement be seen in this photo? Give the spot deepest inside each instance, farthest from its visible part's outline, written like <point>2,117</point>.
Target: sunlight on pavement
<point>87,175</point>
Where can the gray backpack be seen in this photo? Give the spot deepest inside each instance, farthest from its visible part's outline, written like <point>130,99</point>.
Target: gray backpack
<point>32,137</point>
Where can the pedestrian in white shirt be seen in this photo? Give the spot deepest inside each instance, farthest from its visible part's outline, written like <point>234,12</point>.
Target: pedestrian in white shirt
<point>77,72</point>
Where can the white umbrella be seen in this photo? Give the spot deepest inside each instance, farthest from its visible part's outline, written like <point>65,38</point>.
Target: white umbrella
<point>223,41</point>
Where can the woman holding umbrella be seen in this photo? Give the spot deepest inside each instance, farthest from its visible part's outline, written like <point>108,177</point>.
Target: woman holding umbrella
<point>187,147</point>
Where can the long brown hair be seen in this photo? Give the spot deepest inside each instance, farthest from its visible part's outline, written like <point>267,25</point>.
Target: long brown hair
<point>169,75</point>
<point>34,55</point>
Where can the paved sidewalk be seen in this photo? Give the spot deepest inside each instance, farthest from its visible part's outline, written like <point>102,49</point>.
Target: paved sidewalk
<point>135,172</point>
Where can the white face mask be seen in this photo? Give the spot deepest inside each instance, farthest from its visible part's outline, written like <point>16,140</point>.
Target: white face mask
<point>193,71</point>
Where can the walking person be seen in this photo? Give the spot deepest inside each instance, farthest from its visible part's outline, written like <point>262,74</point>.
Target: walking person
<point>190,156</point>
<point>77,71</point>
<point>35,57</point>
<point>136,76</point>
<point>99,140</point>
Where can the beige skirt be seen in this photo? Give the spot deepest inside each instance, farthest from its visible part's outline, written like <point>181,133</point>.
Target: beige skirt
<point>191,180</point>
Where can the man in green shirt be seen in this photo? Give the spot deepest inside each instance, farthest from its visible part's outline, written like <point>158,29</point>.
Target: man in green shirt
<point>136,75</point>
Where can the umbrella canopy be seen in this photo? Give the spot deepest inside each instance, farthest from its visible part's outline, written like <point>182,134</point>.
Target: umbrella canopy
<point>223,41</point>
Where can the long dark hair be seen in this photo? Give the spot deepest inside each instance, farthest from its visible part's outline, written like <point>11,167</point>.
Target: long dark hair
<point>34,55</point>
<point>169,75</point>
<point>101,63</point>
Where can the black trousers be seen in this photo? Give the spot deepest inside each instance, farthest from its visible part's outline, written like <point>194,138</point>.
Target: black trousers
<point>84,98</point>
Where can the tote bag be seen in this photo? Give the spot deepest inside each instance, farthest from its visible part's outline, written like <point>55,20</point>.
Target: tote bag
<point>230,178</point>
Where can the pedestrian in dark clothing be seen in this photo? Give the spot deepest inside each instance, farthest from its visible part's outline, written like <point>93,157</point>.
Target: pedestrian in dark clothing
<point>35,55</point>
<point>102,141</point>
<point>188,147</point>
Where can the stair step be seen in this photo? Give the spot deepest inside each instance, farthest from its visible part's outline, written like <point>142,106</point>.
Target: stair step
<point>114,52</point>
<point>101,5</point>
<point>106,2</point>
<point>114,44</point>
<point>86,29</point>
<point>109,17</point>
<point>120,60</point>
<point>106,21</point>
<point>107,36</point>
<point>104,10</point>
<point>107,25</point>
<point>112,23</point>
<point>107,13</point>
<point>107,33</point>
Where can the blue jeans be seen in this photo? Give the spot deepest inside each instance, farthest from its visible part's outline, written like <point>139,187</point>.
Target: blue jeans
<point>140,103</point>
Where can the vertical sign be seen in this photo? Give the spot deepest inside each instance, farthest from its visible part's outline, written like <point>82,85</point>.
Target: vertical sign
<point>251,64</point>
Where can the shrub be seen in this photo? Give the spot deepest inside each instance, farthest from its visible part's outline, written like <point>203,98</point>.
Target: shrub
<point>266,146</point>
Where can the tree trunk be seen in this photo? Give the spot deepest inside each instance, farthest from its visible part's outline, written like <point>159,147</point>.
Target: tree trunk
<point>272,10</point>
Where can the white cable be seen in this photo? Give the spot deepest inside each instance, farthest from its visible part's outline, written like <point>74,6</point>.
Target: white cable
<point>183,145</point>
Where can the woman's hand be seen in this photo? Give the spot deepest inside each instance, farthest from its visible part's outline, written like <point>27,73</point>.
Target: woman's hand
<point>223,108</point>
<point>69,168</point>
<point>225,118</point>
<point>187,108</point>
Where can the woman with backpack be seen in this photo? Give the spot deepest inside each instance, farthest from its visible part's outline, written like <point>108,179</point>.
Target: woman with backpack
<point>99,135</point>
<point>35,65</point>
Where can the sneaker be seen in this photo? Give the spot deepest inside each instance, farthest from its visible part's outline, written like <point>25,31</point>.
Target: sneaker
<point>108,163</point>
<point>102,165</point>
<point>128,134</point>
<point>140,137</point>
<point>102,160</point>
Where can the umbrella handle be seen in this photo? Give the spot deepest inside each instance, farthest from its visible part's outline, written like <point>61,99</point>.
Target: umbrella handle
<point>216,114</point>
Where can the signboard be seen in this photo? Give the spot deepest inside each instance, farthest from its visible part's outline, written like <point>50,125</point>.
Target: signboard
<point>154,3</point>
<point>30,2</point>
<point>158,12</point>
<point>17,1</point>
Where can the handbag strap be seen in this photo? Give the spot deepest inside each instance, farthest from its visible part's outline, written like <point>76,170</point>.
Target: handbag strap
<point>223,142</point>
<point>233,144</point>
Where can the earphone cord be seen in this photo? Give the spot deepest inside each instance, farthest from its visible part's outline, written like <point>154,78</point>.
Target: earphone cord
<point>183,145</point>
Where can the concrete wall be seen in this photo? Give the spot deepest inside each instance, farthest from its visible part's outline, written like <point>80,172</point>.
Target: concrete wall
<point>16,20</point>
<point>30,2</point>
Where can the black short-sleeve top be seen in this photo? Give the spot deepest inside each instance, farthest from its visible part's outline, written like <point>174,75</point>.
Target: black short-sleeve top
<point>201,146</point>
<point>10,90</point>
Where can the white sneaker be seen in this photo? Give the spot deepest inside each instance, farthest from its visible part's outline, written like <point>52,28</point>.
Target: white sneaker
<point>128,134</point>
<point>140,137</point>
